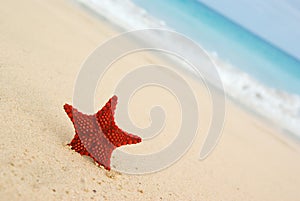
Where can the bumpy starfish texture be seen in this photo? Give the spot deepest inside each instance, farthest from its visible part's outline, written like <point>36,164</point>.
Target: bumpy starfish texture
<point>98,135</point>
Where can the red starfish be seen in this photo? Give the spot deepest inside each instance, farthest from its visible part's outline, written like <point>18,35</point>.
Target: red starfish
<point>98,135</point>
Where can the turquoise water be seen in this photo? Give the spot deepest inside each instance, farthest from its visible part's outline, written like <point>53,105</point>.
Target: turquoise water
<point>231,42</point>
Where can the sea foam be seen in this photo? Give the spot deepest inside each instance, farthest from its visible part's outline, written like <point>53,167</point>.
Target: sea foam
<point>280,107</point>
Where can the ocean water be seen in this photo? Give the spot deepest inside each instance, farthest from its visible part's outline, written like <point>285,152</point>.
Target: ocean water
<point>255,73</point>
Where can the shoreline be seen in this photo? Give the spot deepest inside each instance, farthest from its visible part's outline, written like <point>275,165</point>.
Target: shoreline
<point>281,133</point>
<point>226,69</point>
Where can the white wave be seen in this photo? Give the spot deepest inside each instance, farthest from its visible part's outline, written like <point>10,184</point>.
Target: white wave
<point>278,106</point>
<point>124,13</point>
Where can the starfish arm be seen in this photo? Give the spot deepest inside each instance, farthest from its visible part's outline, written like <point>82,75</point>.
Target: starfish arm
<point>119,137</point>
<point>105,118</point>
<point>78,146</point>
<point>69,110</point>
<point>101,152</point>
<point>100,157</point>
<point>76,143</point>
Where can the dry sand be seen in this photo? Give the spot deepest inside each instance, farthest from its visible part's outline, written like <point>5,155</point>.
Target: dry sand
<point>42,46</point>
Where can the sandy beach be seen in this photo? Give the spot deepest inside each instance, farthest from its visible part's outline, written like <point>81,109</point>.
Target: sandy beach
<point>42,46</point>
